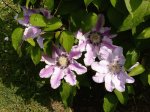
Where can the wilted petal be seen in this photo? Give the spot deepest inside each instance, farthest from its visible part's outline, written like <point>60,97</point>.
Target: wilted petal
<point>90,55</point>
<point>100,67</point>
<point>98,78</point>
<point>40,42</point>
<point>70,77</point>
<point>56,77</point>
<point>77,67</point>
<point>31,32</point>
<point>47,71</point>
<point>108,83</point>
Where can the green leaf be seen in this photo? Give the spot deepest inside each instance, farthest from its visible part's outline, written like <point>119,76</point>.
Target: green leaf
<point>128,5</point>
<point>48,48</point>
<point>31,41</point>
<point>113,2</point>
<point>132,57</point>
<point>149,78</point>
<point>87,2</point>
<point>145,34</point>
<point>35,55</point>
<point>49,4</point>
<point>17,39</point>
<point>122,96</point>
<point>89,22</point>
<point>38,20</point>
<point>131,21</point>
<point>66,40</point>
<point>130,89</point>
<point>67,93</point>
<point>110,103</point>
<point>53,24</point>
<point>132,5</point>
<point>137,70</point>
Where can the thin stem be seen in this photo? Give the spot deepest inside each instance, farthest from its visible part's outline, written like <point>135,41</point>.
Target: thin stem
<point>58,7</point>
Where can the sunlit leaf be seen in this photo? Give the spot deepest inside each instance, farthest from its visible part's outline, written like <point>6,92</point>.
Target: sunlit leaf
<point>137,70</point>
<point>145,34</point>
<point>53,24</point>
<point>67,40</point>
<point>37,20</point>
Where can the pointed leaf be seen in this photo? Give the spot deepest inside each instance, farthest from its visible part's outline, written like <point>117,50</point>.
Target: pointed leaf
<point>145,34</point>
<point>149,78</point>
<point>131,21</point>
<point>31,41</point>
<point>137,70</point>
<point>87,2</point>
<point>113,2</point>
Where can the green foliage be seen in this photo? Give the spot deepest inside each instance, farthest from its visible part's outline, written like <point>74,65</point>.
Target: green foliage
<point>132,57</point>
<point>66,40</point>
<point>122,96</point>
<point>38,20</point>
<point>17,39</point>
<point>31,41</point>
<point>35,55</point>
<point>67,93</point>
<point>49,4</point>
<point>137,17</point>
<point>145,34</point>
<point>87,2</point>
<point>53,24</point>
<point>110,103</point>
<point>137,70</point>
<point>89,22</point>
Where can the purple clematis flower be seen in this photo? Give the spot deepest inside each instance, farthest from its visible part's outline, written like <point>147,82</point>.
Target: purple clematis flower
<point>62,65</point>
<point>92,41</point>
<point>111,71</point>
<point>32,31</point>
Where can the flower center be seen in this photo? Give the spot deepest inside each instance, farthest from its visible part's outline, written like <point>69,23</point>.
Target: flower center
<point>95,37</point>
<point>63,61</point>
<point>115,67</point>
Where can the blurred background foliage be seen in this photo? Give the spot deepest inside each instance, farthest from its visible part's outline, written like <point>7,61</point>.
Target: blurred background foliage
<point>21,89</point>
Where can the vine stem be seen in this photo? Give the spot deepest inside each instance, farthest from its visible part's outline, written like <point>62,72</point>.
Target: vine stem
<point>57,7</point>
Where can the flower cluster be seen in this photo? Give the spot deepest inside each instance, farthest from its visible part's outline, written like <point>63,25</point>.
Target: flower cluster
<point>109,65</point>
<point>96,45</point>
